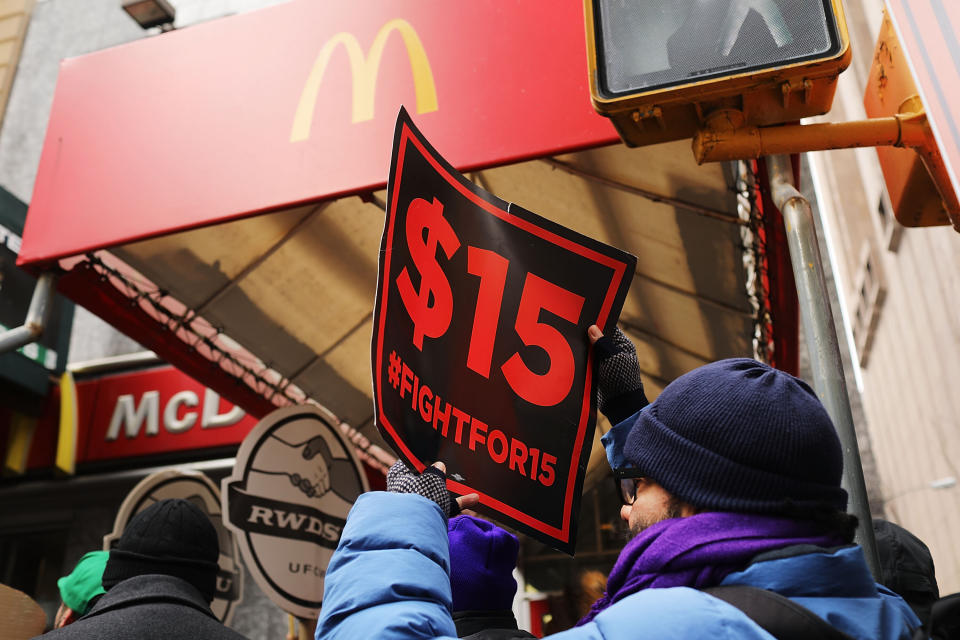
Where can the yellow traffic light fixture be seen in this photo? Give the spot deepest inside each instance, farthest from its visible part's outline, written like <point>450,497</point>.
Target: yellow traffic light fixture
<point>659,68</point>
<point>914,170</point>
<point>730,73</point>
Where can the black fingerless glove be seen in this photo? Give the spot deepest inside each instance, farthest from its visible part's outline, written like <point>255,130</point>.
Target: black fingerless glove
<point>619,388</point>
<point>430,484</point>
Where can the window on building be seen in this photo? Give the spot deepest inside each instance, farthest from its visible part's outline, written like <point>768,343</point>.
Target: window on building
<point>891,229</point>
<point>870,293</point>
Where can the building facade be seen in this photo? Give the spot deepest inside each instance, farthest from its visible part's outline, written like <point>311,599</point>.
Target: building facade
<point>49,524</point>
<point>898,291</point>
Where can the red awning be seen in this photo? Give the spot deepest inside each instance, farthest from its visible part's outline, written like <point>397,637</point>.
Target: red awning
<point>160,153</point>
<point>296,104</point>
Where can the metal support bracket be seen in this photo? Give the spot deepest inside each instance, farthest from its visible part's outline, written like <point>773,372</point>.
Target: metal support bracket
<point>724,137</point>
<point>652,114</point>
<point>37,316</point>
<point>789,88</point>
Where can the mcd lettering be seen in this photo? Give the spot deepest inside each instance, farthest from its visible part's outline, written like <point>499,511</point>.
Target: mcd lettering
<point>130,416</point>
<point>479,353</point>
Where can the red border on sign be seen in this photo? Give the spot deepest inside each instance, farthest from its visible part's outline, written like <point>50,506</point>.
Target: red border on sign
<point>619,268</point>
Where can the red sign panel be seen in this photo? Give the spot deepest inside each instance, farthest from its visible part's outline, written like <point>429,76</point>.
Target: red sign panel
<point>928,31</point>
<point>480,353</point>
<point>142,414</point>
<point>151,412</point>
<point>291,104</point>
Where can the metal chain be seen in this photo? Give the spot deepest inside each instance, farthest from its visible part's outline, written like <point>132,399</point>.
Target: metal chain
<point>245,368</point>
<point>196,333</point>
<point>755,259</point>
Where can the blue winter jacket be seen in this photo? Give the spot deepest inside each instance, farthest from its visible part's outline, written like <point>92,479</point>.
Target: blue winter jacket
<point>389,578</point>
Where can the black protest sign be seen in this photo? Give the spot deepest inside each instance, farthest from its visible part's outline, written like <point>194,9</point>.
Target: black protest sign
<point>480,352</point>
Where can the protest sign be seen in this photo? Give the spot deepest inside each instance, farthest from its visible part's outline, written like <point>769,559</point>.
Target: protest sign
<point>480,352</point>
<point>199,490</point>
<point>293,484</point>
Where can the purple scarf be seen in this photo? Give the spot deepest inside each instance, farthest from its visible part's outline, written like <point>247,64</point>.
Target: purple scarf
<point>700,551</point>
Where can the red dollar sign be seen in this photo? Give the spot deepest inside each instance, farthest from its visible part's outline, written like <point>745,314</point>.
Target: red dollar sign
<point>431,321</point>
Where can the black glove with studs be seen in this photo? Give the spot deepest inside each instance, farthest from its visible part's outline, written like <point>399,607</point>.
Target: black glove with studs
<point>431,484</point>
<point>619,387</point>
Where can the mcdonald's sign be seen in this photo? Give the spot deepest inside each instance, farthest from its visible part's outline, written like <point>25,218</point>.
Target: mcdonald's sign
<point>296,103</point>
<point>364,70</point>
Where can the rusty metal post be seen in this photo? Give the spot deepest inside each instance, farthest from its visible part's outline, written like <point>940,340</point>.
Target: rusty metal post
<point>822,344</point>
<point>724,139</point>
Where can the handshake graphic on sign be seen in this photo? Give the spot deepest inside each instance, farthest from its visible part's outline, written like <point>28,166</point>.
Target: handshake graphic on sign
<point>313,478</point>
<point>313,469</point>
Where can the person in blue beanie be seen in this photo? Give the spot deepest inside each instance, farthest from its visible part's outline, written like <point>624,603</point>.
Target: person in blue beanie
<point>482,587</point>
<point>730,482</point>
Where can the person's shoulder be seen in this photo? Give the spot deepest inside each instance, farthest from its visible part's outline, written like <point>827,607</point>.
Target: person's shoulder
<point>78,630</point>
<point>677,612</point>
<point>56,634</point>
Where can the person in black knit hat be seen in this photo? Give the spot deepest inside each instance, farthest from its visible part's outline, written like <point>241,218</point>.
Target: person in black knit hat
<point>730,487</point>
<point>159,580</point>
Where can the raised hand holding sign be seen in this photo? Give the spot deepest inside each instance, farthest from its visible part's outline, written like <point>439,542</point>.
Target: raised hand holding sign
<point>480,355</point>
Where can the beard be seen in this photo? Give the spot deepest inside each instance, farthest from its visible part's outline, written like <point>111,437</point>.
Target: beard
<point>673,509</point>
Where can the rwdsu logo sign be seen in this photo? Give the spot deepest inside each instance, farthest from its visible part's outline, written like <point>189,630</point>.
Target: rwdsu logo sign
<point>293,484</point>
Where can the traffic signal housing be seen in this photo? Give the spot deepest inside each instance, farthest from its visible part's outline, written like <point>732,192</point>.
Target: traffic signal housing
<point>659,69</point>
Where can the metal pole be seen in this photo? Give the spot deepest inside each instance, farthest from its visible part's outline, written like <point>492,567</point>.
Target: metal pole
<point>822,344</point>
<point>36,321</point>
<point>719,143</point>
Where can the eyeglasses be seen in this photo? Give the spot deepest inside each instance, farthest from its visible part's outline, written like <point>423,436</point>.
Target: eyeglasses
<point>626,481</point>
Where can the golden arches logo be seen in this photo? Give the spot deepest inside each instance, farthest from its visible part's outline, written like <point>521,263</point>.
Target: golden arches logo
<point>364,69</point>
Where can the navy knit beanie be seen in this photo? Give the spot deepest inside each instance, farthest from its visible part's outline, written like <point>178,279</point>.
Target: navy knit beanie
<point>738,435</point>
<point>482,559</point>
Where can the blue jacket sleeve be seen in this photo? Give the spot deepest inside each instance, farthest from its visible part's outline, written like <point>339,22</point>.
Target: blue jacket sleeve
<point>390,575</point>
